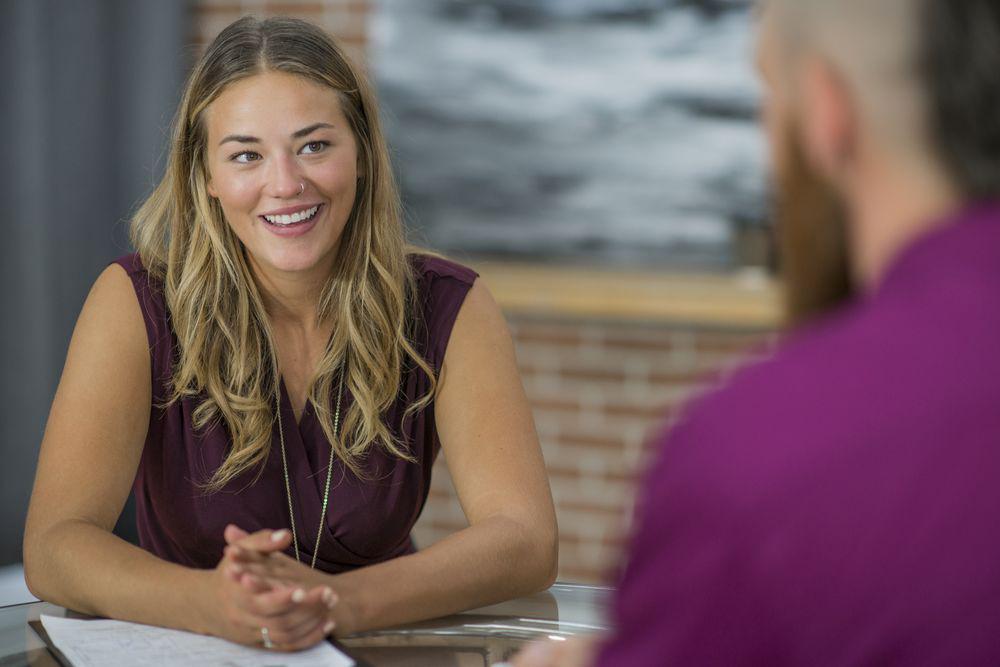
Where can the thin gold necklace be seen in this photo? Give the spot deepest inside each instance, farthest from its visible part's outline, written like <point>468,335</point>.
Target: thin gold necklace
<point>329,473</point>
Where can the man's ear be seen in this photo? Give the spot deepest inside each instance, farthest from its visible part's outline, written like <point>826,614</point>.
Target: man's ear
<point>830,120</point>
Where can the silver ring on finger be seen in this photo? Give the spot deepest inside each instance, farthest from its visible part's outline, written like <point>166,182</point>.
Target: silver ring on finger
<point>265,636</point>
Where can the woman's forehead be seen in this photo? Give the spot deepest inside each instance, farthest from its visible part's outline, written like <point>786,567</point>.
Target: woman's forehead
<point>274,101</point>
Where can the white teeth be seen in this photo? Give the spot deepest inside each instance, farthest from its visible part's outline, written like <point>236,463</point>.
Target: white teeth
<point>293,218</point>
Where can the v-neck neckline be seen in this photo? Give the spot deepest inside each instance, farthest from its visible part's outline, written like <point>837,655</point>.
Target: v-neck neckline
<point>286,401</point>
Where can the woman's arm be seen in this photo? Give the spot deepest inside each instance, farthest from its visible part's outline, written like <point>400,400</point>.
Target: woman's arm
<point>510,548</point>
<point>88,460</point>
<point>488,438</point>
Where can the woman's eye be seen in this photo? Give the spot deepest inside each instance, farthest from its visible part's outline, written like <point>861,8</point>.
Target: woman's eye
<point>315,146</point>
<point>245,156</point>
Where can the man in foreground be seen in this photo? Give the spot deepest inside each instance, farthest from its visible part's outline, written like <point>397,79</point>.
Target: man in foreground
<point>838,503</point>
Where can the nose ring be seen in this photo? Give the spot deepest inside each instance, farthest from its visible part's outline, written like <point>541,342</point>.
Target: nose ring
<point>302,187</point>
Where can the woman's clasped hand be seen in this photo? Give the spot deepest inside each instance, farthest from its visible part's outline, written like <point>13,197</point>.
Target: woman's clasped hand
<point>268,598</point>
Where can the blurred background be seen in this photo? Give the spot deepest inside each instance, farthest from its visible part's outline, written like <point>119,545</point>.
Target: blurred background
<point>597,161</point>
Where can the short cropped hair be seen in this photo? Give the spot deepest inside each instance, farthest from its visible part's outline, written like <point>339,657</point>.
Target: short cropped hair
<point>959,63</point>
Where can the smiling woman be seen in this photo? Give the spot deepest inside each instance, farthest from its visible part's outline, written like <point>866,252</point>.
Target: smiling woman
<point>252,176</point>
<point>272,333</point>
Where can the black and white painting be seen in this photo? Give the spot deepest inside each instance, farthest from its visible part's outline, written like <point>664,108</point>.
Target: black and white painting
<point>617,132</point>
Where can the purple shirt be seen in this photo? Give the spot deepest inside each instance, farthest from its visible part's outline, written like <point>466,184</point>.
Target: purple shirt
<point>839,503</point>
<point>367,521</point>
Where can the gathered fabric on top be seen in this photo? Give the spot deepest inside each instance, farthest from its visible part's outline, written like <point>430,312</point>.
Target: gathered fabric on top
<point>368,519</point>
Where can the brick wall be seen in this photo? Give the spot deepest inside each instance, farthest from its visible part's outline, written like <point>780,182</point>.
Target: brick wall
<point>346,20</point>
<point>599,390</point>
<point>598,387</point>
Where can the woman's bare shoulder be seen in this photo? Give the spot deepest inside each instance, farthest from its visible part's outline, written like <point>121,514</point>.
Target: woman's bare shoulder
<point>110,331</point>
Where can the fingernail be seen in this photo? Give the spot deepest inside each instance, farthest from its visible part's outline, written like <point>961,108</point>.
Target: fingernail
<point>538,652</point>
<point>327,595</point>
<point>279,535</point>
<point>236,569</point>
<point>299,595</point>
<point>328,627</point>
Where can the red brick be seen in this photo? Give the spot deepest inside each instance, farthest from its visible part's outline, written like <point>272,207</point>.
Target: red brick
<point>584,575</point>
<point>614,510</point>
<point>571,539</point>
<point>650,412</point>
<point>593,374</point>
<point>562,471</point>
<point>624,342</point>
<point>683,376</point>
<point>567,404</point>
<point>564,336</point>
<point>627,476</point>
<point>233,8</point>
<point>446,525</point>
<point>358,6</point>
<point>729,341</point>
<point>442,495</point>
<point>579,438</point>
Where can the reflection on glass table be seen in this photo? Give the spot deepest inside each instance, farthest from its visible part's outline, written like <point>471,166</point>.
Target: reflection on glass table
<point>476,638</point>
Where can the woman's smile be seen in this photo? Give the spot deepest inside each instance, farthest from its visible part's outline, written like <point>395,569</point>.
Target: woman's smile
<point>292,221</point>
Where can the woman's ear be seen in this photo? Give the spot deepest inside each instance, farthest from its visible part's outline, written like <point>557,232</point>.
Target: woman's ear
<point>830,121</point>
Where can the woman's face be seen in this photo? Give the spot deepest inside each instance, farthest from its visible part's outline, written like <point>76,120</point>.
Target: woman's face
<point>283,163</point>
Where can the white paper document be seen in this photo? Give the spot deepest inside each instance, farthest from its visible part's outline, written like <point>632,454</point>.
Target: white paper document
<point>102,643</point>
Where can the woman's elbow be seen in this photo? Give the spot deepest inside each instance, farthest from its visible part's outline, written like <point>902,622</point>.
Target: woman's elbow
<point>553,568</point>
<point>545,557</point>
<point>37,551</point>
<point>32,568</point>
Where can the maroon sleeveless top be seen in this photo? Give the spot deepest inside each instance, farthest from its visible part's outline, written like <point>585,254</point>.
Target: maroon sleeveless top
<point>368,518</point>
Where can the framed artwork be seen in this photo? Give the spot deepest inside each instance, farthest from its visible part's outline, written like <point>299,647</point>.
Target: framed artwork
<point>616,132</point>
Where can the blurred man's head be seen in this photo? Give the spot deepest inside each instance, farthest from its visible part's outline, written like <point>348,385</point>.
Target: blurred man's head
<point>882,116</point>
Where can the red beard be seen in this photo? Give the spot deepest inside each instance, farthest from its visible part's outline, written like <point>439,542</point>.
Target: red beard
<point>812,239</point>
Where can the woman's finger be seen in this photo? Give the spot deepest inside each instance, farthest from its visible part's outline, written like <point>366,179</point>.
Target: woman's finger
<point>252,576</point>
<point>278,601</point>
<point>307,633</point>
<point>290,627</point>
<point>283,601</point>
<point>265,569</point>
<point>576,652</point>
<point>233,533</point>
<point>310,636</point>
<point>296,618</point>
<point>254,584</point>
<point>240,554</point>
<point>265,541</point>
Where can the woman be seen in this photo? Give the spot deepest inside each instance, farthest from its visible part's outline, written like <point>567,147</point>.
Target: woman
<point>275,372</point>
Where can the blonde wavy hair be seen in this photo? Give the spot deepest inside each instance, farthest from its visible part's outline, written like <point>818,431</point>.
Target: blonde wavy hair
<point>227,354</point>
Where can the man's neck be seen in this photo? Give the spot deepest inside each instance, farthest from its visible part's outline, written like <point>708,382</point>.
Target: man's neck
<point>890,210</point>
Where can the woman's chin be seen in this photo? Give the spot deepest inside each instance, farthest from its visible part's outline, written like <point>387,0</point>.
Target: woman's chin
<point>294,262</point>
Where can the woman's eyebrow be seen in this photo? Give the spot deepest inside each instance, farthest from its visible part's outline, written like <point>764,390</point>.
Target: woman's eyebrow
<point>242,138</point>
<point>297,134</point>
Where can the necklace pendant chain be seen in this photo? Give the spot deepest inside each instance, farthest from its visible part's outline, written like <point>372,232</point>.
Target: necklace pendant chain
<point>329,474</point>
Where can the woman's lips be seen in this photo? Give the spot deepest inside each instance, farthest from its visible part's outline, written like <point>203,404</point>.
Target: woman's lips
<point>292,229</point>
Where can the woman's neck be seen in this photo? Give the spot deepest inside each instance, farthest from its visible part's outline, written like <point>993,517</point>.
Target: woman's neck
<point>291,299</point>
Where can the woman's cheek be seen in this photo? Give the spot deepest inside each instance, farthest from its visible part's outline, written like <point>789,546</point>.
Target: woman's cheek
<point>243,190</point>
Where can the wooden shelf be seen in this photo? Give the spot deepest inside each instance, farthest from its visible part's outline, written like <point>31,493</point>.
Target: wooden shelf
<point>746,300</point>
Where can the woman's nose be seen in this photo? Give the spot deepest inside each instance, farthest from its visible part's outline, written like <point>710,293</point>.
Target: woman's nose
<point>285,178</point>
